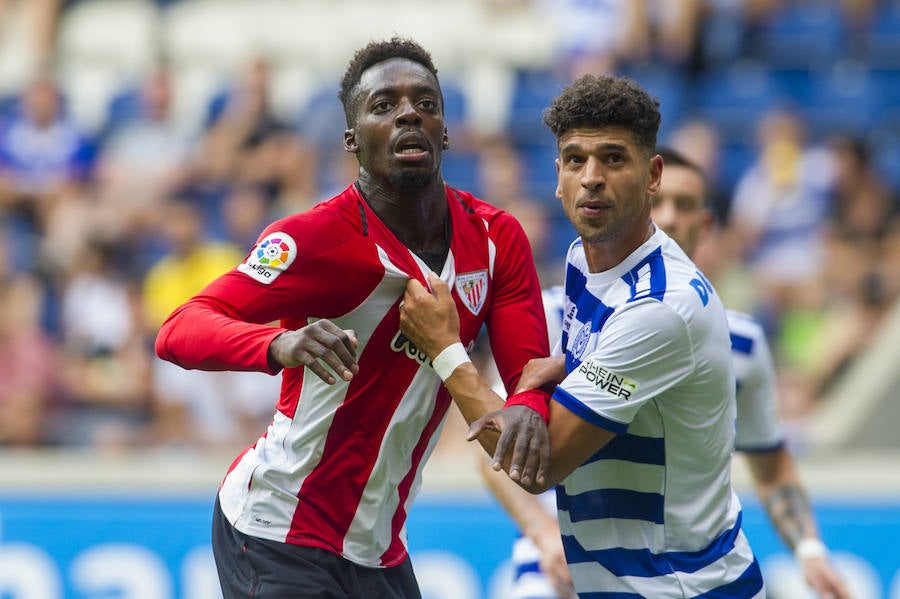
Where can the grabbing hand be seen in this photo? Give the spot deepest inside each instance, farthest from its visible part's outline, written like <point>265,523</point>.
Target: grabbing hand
<point>524,435</point>
<point>310,346</point>
<point>429,318</point>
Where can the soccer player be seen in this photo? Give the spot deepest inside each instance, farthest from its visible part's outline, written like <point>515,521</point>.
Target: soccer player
<point>681,209</point>
<point>642,414</point>
<point>317,506</point>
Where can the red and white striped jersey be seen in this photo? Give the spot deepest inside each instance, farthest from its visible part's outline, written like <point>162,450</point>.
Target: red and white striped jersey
<point>340,464</point>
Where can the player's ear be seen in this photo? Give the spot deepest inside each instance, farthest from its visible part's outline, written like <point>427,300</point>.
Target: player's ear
<point>656,167</point>
<point>350,143</point>
<point>558,192</point>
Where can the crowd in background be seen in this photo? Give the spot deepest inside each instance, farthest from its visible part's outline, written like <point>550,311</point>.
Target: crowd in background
<point>106,229</point>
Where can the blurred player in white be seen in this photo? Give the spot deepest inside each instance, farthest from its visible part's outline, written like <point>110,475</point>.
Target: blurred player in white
<point>680,209</point>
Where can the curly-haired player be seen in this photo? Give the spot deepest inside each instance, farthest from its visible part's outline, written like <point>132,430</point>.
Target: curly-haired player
<point>642,414</point>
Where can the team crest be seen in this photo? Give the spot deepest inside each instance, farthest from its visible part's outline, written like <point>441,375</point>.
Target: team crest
<point>472,288</point>
<point>270,257</point>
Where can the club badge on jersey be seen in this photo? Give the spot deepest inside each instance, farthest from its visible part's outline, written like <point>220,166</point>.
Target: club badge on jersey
<point>270,257</point>
<point>472,289</point>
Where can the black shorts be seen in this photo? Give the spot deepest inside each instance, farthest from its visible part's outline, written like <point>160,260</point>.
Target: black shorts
<point>263,569</point>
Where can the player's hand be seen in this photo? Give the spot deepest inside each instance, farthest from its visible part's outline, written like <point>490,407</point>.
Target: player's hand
<point>542,373</point>
<point>316,346</point>
<point>553,560</point>
<point>429,318</point>
<point>524,436</point>
<point>822,578</point>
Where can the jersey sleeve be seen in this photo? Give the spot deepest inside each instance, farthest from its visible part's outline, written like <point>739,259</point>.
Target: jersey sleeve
<point>228,325</point>
<point>645,350</point>
<point>516,324</point>
<point>758,425</point>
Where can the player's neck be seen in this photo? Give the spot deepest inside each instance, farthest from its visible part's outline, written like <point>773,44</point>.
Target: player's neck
<point>604,255</point>
<point>418,218</point>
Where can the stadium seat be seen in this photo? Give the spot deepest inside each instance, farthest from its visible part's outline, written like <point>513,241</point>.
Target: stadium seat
<point>120,35</point>
<point>881,39</point>
<point>533,91</point>
<point>209,34</point>
<point>538,157</point>
<point>666,85</point>
<point>843,99</point>
<point>733,98</point>
<point>803,34</point>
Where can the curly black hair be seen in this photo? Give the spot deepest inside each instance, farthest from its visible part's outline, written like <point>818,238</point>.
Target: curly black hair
<point>602,101</point>
<point>370,55</point>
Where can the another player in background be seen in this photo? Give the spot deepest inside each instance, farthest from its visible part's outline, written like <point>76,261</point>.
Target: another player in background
<point>681,209</point>
<point>317,506</point>
<point>642,414</point>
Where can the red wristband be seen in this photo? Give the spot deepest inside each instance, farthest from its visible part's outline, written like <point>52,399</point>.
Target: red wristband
<point>533,398</point>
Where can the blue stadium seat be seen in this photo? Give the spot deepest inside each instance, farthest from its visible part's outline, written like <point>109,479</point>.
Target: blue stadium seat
<point>844,99</point>
<point>538,159</point>
<point>886,91</point>
<point>732,99</point>
<point>532,93</point>
<point>455,105</point>
<point>801,34</point>
<point>881,39</point>
<point>460,168</point>
<point>666,85</point>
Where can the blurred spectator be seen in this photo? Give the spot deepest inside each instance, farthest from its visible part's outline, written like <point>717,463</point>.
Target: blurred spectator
<point>864,226</point>
<point>501,179</point>
<point>596,35</point>
<point>105,363</point>
<point>674,29</point>
<point>599,36</point>
<point>729,28</point>
<point>144,158</point>
<point>44,162</point>
<point>247,142</point>
<point>862,278</point>
<point>778,215</point>
<point>41,20</point>
<point>223,409</point>
<point>247,209</point>
<point>28,365</point>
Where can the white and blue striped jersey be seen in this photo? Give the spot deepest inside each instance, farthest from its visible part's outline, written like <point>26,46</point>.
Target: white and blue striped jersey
<point>758,426</point>
<point>653,513</point>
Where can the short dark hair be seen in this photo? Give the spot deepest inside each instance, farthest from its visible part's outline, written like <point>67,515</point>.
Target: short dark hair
<point>672,157</point>
<point>370,55</point>
<point>595,101</point>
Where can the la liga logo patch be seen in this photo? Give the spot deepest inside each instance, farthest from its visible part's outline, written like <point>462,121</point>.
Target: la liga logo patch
<point>270,257</point>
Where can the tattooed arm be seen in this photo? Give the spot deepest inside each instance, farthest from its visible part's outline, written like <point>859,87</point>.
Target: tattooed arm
<point>778,487</point>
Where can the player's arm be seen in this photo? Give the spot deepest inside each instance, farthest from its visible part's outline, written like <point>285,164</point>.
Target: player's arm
<point>779,488</point>
<point>516,436</point>
<point>430,320</point>
<point>535,523</point>
<point>226,327</point>
<point>774,473</point>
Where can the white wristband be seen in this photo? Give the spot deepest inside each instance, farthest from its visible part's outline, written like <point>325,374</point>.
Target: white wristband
<point>449,359</point>
<point>810,547</point>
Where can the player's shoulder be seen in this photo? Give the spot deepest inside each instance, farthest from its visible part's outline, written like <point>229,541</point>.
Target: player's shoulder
<point>341,211</point>
<point>328,224</point>
<point>744,324</point>
<point>477,207</point>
